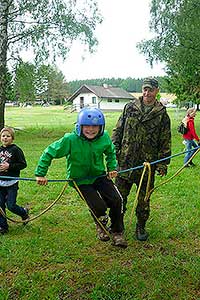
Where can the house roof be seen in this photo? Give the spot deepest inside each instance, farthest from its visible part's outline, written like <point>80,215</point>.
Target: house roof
<point>105,91</point>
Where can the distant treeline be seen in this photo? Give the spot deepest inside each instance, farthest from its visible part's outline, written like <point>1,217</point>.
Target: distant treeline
<point>129,84</point>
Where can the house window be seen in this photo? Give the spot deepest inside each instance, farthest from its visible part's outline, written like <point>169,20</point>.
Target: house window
<point>109,100</point>
<point>94,100</point>
<point>117,100</point>
<point>81,102</point>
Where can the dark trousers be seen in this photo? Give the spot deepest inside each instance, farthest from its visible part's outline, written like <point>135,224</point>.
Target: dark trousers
<point>124,186</point>
<point>103,194</point>
<point>8,196</point>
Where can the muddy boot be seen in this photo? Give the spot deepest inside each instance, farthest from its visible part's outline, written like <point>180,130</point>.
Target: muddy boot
<point>101,234</point>
<point>140,232</point>
<point>119,240</point>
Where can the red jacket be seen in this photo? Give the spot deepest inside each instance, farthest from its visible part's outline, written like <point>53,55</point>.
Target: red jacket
<point>191,134</point>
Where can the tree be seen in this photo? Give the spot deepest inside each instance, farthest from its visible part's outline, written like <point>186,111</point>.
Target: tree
<point>177,44</point>
<point>44,82</point>
<point>51,84</point>
<point>24,86</point>
<point>47,27</point>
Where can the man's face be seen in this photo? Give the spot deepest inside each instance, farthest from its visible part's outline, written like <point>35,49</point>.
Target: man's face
<point>149,95</point>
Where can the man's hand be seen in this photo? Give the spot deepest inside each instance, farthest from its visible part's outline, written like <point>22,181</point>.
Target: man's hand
<point>112,174</point>
<point>41,180</point>
<point>162,170</point>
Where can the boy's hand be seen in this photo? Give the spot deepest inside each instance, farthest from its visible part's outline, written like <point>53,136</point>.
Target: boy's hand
<point>41,180</point>
<point>112,174</point>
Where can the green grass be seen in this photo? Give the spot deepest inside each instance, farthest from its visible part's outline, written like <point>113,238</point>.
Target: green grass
<point>57,256</point>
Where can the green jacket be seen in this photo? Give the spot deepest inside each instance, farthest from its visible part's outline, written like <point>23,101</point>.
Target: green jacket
<point>142,136</point>
<point>85,159</point>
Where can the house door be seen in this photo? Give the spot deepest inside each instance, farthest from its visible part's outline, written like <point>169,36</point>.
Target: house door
<point>81,102</point>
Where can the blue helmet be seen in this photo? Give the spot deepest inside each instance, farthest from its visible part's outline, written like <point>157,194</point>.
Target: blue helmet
<point>90,116</point>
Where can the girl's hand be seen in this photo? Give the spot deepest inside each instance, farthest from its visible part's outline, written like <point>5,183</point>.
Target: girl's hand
<point>41,180</point>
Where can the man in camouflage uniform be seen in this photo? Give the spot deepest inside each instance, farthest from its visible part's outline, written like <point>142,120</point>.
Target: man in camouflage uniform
<point>142,134</point>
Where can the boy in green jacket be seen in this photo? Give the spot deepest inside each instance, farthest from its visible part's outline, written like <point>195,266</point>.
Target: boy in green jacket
<point>91,163</point>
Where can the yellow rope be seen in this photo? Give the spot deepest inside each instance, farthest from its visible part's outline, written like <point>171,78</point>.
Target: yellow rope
<point>173,176</point>
<point>149,192</point>
<point>95,217</point>
<point>44,211</point>
<point>146,166</point>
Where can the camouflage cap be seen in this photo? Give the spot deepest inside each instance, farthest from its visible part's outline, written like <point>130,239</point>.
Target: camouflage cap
<point>150,82</point>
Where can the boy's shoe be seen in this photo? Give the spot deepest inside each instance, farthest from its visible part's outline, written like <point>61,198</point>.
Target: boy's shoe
<point>3,230</point>
<point>26,216</point>
<point>101,234</point>
<point>119,240</point>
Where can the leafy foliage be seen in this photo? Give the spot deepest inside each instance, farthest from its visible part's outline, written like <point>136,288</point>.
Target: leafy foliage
<point>45,83</point>
<point>177,43</point>
<point>46,27</point>
<point>49,27</point>
<point>129,84</point>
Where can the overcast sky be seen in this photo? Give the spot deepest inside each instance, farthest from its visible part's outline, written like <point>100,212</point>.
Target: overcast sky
<point>125,24</point>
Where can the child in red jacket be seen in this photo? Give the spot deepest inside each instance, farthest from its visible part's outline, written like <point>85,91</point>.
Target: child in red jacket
<point>190,136</point>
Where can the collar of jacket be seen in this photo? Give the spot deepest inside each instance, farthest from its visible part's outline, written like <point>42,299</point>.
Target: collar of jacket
<point>157,109</point>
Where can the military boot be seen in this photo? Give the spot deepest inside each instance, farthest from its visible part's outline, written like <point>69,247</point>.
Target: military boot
<point>101,234</point>
<point>140,232</point>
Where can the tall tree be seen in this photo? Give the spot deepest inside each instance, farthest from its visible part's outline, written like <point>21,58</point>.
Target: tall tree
<point>50,84</point>
<point>24,83</point>
<point>177,44</point>
<point>47,27</point>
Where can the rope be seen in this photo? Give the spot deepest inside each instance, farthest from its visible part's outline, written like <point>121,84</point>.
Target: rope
<point>44,211</point>
<point>146,166</point>
<point>159,160</point>
<point>149,192</point>
<point>121,171</point>
<point>176,174</point>
<point>92,212</point>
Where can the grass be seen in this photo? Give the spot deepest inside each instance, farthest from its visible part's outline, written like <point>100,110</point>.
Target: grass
<point>58,256</point>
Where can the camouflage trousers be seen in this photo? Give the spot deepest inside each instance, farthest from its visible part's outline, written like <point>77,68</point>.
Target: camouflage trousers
<point>124,185</point>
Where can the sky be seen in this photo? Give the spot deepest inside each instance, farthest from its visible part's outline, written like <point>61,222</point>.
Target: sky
<point>125,24</point>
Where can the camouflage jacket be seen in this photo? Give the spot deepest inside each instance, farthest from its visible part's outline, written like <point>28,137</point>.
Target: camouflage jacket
<point>140,136</point>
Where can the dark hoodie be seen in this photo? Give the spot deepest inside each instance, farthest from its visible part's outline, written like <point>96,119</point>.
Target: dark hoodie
<point>13,155</point>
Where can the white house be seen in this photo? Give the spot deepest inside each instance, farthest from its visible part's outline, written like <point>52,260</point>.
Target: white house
<point>104,97</point>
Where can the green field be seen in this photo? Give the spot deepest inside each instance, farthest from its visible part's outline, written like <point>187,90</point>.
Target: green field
<point>58,257</point>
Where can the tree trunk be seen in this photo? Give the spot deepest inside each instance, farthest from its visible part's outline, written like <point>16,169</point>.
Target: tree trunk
<point>4,6</point>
